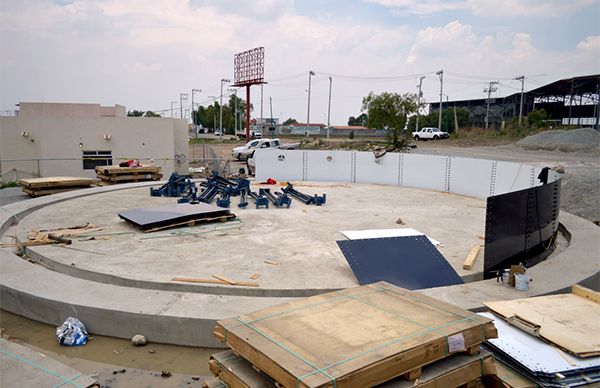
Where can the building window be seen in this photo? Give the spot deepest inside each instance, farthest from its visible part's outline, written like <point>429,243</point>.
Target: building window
<point>91,159</point>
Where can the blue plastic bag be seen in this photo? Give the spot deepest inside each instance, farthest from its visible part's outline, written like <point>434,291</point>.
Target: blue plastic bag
<point>72,333</point>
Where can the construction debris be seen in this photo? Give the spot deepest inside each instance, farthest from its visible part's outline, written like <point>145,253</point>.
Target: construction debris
<point>52,236</point>
<point>36,187</point>
<point>217,281</point>
<point>468,264</point>
<point>322,340</point>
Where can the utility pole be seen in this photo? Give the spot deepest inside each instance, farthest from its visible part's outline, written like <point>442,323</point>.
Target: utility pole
<point>419,95</point>
<point>271,109</point>
<point>522,79</point>
<point>489,90</point>
<point>172,102</point>
<point>182,96</point>
<point>223,81</point>
<point>235,109</point>
<point>193,114</point>
<point>214,112</point>
<point>441,74</point>
<point>329,109</point>
<point>310,73</point>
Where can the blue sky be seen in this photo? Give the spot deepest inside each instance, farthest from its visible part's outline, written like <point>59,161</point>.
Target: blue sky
<point>143,55</point>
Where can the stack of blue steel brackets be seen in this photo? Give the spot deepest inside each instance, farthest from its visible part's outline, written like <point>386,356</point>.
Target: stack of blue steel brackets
<point>543,363</point>
<point>410,262</point>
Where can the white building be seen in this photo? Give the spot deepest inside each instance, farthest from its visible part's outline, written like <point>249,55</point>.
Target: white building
<point>56,139</point>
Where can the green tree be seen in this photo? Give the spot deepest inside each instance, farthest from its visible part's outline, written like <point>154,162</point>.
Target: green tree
<point>135,113</point>
<point>150,113</point>
<point>537,118</point>
<point>361,120</point>
<point>290,121</point>
<point>389,111</point>
<point>431,119</point>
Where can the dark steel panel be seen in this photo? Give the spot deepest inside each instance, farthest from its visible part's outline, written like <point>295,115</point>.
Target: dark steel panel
<point>411,262</point>
<point>158,216</point>
<point>520,226</point>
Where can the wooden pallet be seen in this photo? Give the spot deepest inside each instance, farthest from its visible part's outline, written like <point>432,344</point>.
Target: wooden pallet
<point>130,177</point>
<point>36,187</point>
<point>506,377</point>
<point>361,336</point>
<point>116,170</point>
<point>454,371</point>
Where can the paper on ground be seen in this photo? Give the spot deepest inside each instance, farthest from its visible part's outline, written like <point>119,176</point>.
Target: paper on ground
<point>381,233</point>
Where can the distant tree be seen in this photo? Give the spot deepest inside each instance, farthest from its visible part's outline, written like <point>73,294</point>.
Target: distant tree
<point>150,113</point>
<point>431,119</point>
<point>290,121</point>
<point>389,111</point>
<point>537,118</point>
<point>135,113</point>
<point>361,120</point>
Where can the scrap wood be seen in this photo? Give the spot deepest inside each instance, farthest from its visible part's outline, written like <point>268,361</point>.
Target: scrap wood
<point>215,281</point>
<point>468,264</point>
<point>223,278</point>
<point>272,262</point>
<point>254,276</point>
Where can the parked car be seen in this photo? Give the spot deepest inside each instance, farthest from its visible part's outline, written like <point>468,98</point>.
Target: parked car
<point>243,152</point>
<point>218,132</point>
<point>427,133</point>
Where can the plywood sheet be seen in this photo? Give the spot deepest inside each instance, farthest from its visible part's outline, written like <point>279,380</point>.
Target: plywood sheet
<point>411,262</point>
<point>568,321</point>
<point>361,336</point>
<point>114,170</point>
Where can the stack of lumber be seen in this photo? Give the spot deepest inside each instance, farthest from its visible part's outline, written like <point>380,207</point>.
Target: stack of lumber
<point>36,187</point>
<point>115,174</point>
<point>552,340</point>
<point>359,337</point>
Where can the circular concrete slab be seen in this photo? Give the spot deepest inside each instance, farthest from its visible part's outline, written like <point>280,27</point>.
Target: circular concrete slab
<point>301,239</point>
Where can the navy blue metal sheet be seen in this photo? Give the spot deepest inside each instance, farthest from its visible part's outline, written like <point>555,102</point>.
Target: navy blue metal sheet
<point>161,216</point>
<point>520,227</point>
<point>411,262</point>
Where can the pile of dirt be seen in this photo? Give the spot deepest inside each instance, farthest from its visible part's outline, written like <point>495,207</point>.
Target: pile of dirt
<point>580,139</point>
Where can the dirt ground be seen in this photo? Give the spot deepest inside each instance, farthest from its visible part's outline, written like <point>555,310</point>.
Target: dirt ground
<point>580,194</point>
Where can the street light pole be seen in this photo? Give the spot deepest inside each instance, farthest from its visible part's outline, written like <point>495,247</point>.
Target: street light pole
<point>441,74</point>
<point>182,96</point>
<point>310,73</point>
<point>223,81</point>
<point>329,109</point>
<point>193,115</point>
<point>522,79</point>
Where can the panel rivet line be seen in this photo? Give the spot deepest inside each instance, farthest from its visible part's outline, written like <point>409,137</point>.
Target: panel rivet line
<point>447,174</point>
<point>353,167</point>
<point>400,169</point>
<point>304,166</point>
<point>493,178</point>
<point>532,177</point>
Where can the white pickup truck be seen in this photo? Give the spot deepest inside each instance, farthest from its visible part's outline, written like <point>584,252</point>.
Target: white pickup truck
<point>427,133</point>
<point>244,152</point>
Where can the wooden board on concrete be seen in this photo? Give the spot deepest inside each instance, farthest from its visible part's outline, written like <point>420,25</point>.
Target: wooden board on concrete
<point>360,336</point>
<point>569,321</point>
<point>129,177</point>
<point>42,192</point>
<point>468,264</point>
<point>454,371</point>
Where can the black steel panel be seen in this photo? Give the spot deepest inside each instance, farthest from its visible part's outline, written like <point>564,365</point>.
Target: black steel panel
<point>411,262</point>
<point>520,226</point>
<point>158,216</point>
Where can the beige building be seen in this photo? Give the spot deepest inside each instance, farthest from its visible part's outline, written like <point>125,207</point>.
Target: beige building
<point>52,139</point>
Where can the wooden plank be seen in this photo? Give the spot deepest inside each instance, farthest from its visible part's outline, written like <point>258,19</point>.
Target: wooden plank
<point>568,321</point>
<point>115,170</point>
<point>129,177</point>
<point>453,371</point>
<point>225,279</point>
<point>506,377</point>
<point>56,181</point>
<point>41,192</point>
<point>468,264</point>
<point>215,281</point>
<point>361,336</point>
<point>586,293</point>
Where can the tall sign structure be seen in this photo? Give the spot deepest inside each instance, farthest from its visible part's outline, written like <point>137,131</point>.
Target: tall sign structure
<point>248,70</point>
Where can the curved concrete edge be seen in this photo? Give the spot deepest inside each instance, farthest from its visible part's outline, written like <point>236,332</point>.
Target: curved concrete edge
<point>106,278</point>
<point>579,262</point>
<point>12,213</point>
<point>167,317</point>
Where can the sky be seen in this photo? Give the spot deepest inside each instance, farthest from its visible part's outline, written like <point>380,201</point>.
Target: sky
<point>144,54</point>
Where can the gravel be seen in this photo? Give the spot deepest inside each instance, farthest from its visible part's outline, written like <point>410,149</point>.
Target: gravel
<point>581,139</point>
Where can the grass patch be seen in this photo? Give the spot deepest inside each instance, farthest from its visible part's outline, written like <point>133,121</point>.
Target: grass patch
<point>4,185</point>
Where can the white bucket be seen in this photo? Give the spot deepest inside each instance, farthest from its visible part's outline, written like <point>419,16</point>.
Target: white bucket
<point>522,282</point>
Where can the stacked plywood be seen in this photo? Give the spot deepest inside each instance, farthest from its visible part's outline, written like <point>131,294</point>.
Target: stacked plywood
<point>359,337</point>
<point>116,174</point>
<point>36,187</point>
